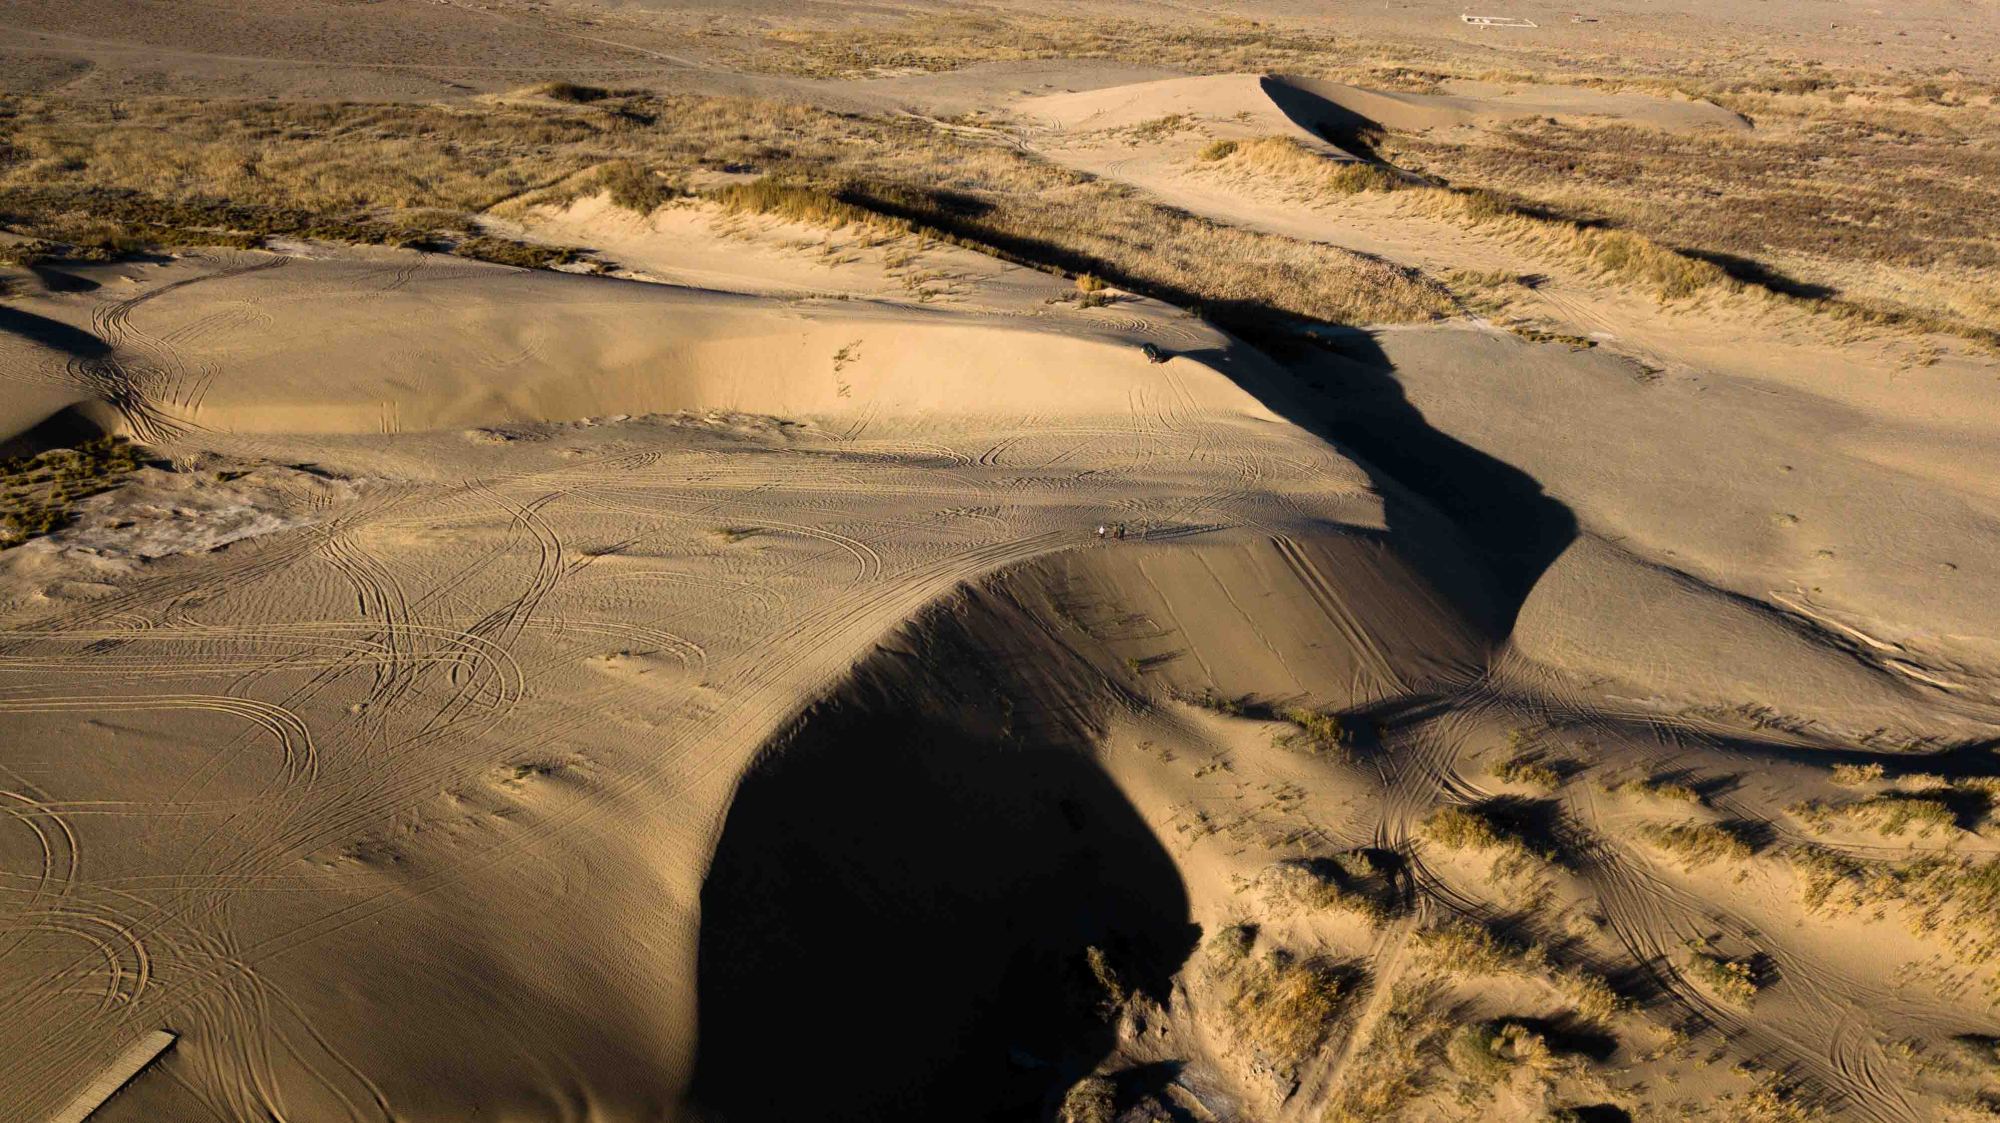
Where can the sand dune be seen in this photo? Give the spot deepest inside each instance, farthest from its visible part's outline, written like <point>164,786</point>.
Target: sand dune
<point>773,671</point>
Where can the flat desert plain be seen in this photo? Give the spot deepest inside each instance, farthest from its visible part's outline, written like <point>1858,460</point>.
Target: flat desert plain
<point>734,562</point>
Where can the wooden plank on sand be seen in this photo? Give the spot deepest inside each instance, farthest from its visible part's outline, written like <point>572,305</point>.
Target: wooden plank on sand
<point>116,1075</point>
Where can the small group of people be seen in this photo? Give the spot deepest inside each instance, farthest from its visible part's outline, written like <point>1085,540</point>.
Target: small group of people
<point>1111,530</point>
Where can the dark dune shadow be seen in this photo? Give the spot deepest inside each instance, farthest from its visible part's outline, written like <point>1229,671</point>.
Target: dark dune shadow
<point>55,334</point>
<point>1340,126</point>
<point>1753,272</point>
<point>1445,502</point>
<point>56,280</point>
<point>65,428</point>
<point>897,921</point>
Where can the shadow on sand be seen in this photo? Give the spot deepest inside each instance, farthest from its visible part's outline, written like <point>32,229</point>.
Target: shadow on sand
<point>897,922</point>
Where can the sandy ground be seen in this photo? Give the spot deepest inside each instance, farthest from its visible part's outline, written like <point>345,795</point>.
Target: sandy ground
<point>722,687</point>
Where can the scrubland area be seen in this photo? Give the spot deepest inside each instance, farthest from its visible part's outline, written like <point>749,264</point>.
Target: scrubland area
<point>724,563</point>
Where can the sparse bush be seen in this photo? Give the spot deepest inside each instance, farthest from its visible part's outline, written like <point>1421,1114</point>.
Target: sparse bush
<point>1945,895</point>
<point>1489,1052</point>
<point>1460,947</point>
<point>1530,770</point>
<point>1461,828</point>
<point>1318,884</point>
<point>568,92</point>
<point>39,491</point>
<point>1657,789</point>
<point>1696,843</point>
<point>1854,775</point>
<point>1090,1100</point>
<point>1217,150</point>
<point>1731,979</point>
<point>1316,731</point>
<point>1212,701</point>
<point>1284,1007</point>
<point>1389,1069</point>
<point>635,187</point>
<point>1890,813</point>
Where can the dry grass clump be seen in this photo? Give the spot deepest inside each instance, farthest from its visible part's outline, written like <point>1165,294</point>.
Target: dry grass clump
<point>1487,1053</point>
<point>1891,813</point>
<point>1090,1100</point>
<point>1732,979</point>
<point>1284,1007</point>
<point>1696,843</point>
<point>1529,769</point>
<point>1485,827</point>
<point>1651,788</point>
<point>1349,883</point>
<point>1944,895</point>
<point>1854,775</point>
<point>1212,700</point>
<point>1317,173</point>
<point>1390,1069</point>
<point>36,493</point>
<point>1772,1103</point>
<point>1460,947</point>
<point>1315,731</point>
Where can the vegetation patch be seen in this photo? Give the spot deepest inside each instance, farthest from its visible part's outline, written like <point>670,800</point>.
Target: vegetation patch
<point>1891,813</point>
<point>37,494</point>
<point>1315,731</point>
<point>1500,826</point>
<point>1734,980</point>
<point>1459,947</point>
<point>1354,883</point>
<point>1947,896</point>
<point>1391,1068</point>
<point>1696,843</point>
<point>1284,1007</point>
<point>1529,769</point>
<point>1673,791</point>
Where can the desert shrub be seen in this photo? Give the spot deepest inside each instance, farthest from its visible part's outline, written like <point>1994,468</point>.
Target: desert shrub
<point>1090,1100</point>
<point>1461,947</point>
<point>1853,775</point>
<point>1315,731</point>
<point>1487,827</point>
<point>1389,1069</point>
<point>37,493</point>
<point>1890,813</point>
<point>1490,1052</point>
<point>1657,789</point>
<point>1731,979</point>
<point>1284,1007</point>
<point>1528,769</point>
<point>1318,884</point>
<point>569,92</point>
<point>1216,150</point>
<point>636,187</point>
<point>1461,828</point>
<point>1696,843</point>
<point>1232,942</point>
<point>1208,698</point>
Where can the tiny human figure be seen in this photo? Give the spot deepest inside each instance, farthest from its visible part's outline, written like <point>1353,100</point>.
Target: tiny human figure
<point>1119,532</point>
<point>1102,530</point>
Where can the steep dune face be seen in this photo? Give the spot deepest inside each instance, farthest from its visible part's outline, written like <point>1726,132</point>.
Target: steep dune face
<point>932,853</point>
<point>938,844</point>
